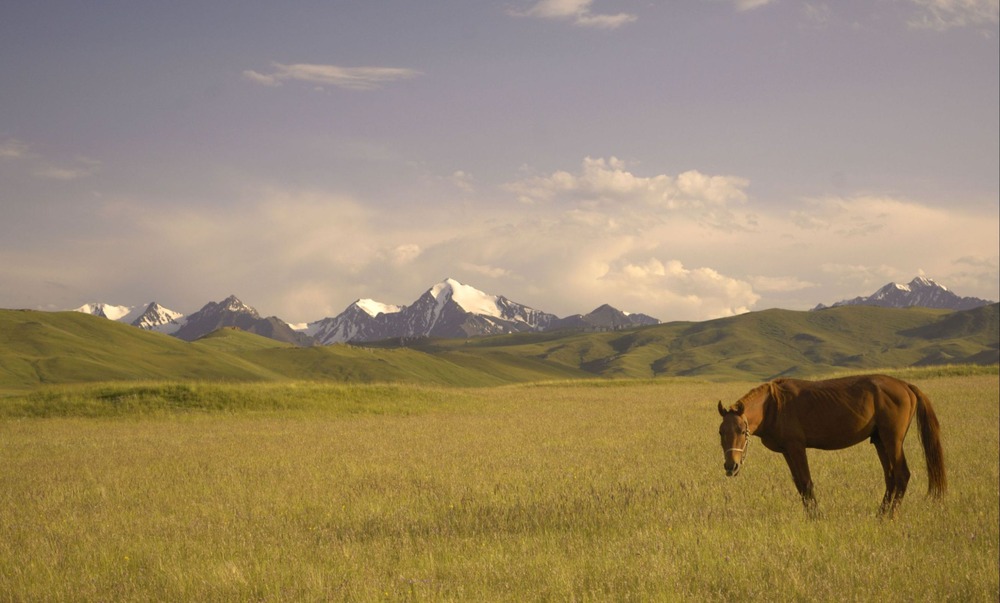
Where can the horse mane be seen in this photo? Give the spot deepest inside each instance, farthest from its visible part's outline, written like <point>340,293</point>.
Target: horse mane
<point>761,392</point>
<point>780,391</point>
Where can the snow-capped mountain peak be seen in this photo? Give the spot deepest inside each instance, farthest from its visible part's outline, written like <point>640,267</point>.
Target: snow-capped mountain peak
<point>109,311</point>
<point>913,286</point>
<point>151,317</point>
<point>921,281</point>
<point>374,308</point>
<point>449,309</point>
<point>233,304</point>
<point>157,318</point>
<point>363,320</point>
<point>466,297</point>
<point>920,291</point>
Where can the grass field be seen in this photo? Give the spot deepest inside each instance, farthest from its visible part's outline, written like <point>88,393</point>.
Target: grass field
<point>604,491</point>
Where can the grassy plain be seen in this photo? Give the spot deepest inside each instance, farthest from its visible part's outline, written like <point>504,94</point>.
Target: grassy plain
<point>600,490</point>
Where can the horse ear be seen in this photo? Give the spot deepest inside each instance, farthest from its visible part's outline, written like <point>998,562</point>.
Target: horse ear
<point>739,408</point>
<point>722,411</point>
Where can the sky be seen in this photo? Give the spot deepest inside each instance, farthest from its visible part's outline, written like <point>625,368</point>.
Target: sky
<point>687,159</point>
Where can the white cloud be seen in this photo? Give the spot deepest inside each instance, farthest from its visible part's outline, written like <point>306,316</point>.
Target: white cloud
<point>490,271</point>
<point>817,14</point>
<point>686,291</point>
<point>351,78</point>
<point>930,14</point>
<point>13,149</point>
<point>262,79</point>
<point>864,215</point>
<point>851,245</point>
<point>947,14</point>
<point>751,4</point>
<point>298,238</point>
<point>82,167</point>
<point>745,5</point>
<point>607,182</point>
<point>405,254</point>
<point>63,173</point>
<point>781,284</point>
<point>463,181</point>
<point>41,167</point>
<point>978,262</point>
<point>577,12</point>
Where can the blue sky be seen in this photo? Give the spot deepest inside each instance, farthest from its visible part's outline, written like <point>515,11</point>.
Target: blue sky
<point>688,159</point>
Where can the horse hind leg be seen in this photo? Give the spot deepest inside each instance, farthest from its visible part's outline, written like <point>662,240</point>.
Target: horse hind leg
<point>901,477</point>
<point>896,471</point>
<point>884,459</point>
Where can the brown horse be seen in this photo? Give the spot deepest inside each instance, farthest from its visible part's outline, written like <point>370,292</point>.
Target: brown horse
<point>790,415</point>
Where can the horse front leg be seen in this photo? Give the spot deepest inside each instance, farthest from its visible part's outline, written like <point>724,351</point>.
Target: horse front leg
<point>795,456</point>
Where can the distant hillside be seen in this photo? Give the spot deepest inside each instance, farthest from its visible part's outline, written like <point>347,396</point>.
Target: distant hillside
<point>38,348</point>
<point>68,347</point>
<point>41,347</point>
<point>763,345</point>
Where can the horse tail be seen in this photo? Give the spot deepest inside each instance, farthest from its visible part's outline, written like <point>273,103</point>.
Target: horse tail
<point>930,437</point>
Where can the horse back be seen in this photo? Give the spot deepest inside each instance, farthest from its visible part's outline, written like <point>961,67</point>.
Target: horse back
<point>838,413</point>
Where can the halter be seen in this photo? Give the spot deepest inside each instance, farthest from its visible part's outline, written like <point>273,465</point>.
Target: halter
<point>746,442</point>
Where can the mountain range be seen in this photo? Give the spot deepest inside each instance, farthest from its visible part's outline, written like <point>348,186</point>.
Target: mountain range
<point>921,292</point>
<point>231,312</point>
<point>453,310</point>
<point>449,310</point>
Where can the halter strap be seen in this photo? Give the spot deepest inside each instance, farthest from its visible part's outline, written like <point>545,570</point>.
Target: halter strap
<point>746,441</point>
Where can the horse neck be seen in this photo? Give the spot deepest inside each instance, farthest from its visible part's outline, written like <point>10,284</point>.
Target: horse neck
<point>758,411</point>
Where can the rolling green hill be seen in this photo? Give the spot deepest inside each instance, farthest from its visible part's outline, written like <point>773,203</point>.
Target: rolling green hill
<point>68,347</point>
<point>770,343</point>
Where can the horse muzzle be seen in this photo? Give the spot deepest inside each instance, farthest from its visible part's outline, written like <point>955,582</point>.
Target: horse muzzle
<point>732,469</point>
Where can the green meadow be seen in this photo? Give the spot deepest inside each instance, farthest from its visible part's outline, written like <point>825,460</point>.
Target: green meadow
<point>585,490</point>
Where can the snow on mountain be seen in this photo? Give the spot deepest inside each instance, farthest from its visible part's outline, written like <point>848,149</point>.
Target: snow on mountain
<point>374,308</point>
<point>468,298</point>
<point>363,320</point>
<point>109,311</point>
<point>922,292</point>
<point>452,309</point>
<point>157,318</point>
<point>152,316</point>
<point>234,305</point>
<point>449,309</point>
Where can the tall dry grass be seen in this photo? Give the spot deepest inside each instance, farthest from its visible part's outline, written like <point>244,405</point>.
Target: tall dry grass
<point>546,492</point>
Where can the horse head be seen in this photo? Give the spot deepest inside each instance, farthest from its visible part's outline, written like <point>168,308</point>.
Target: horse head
<point>735,435</point>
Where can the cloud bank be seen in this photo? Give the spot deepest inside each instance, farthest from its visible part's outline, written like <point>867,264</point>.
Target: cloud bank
<point>686,246</point>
